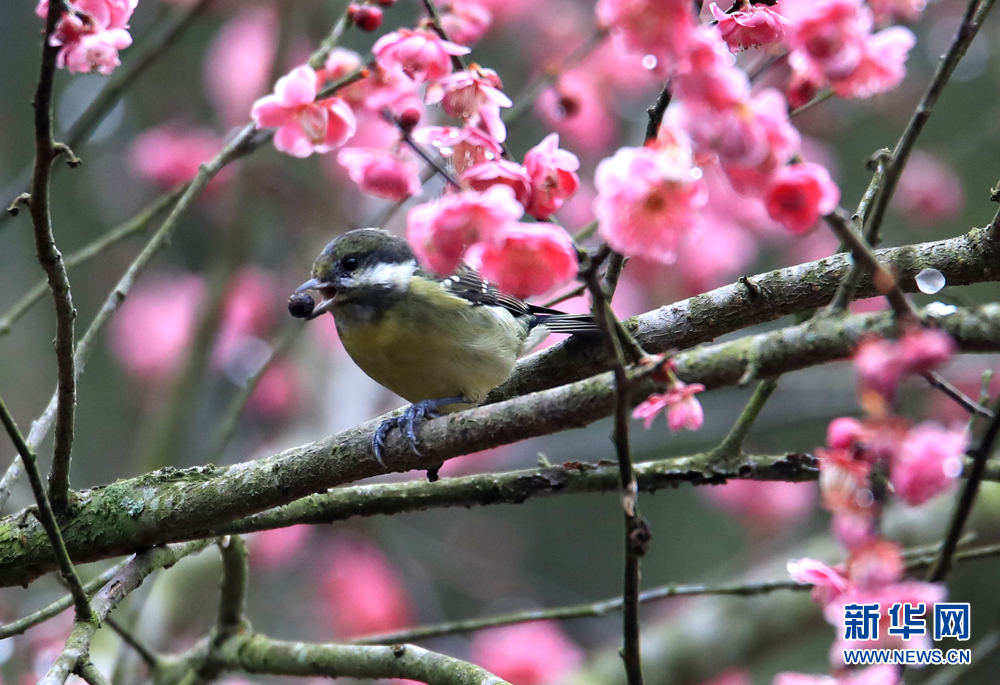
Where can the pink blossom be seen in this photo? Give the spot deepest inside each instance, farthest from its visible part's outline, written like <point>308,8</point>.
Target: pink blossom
<point>466,21</point>
<point>473,95</point>
<point>928,461</point>
<point>576,108</point>
<point>382,88</point>
<point>389,174</point>
<point>925,349</point>
<point>889,11</point>
<point>843,482</point>
<point>683,409</point>
<point>96,51</point>
<point>553,176</point>
<point>170,155</point>
<point>799,194</point>
<point>929,191</point>
<point>421,53</point>
<point>844,432</point>
<point>153,330</point>
<point>526,654</point>
<point>440,231</point>
<point>466,147</point>
<point>662,28</point>
<point>830,37</point>
<point>500,172</point>
<point>876,564</point>
<point>854,528</point>
<point>750,26</point>
<point>732,676</point>
<point>882,65</point>
<point>527,259</point>
<point>249,308</point>
<point>646,200</point>
<point>271,549</point>
<point>764,506</point>
<point>829,582</point>
<point>304,124</point>
<point>90,34</point>
<point>239,61</point>
<point>362,591</point>
<point>878,366</point>
<point>907,591</point>
<point>709,74</point>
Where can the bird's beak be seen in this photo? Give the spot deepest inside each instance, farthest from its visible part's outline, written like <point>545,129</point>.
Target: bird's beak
<point>326,289</point>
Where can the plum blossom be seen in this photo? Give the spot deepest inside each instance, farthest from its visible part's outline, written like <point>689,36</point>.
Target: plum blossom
<point>466,21</point>
<point>646,200</point>
<point>536,653</point>
<point>576,108</point>
<point>362,591</point>
<point>277,394</point>
<point>271,549</point>
<point>882,65</point>
<point>170,155</point>
<point>441,231</point>
<point>553,176</point>
<point>473,95</point>
<point>90,33</point>
<point>928,461</point>
<point>389,174</point>
<point>889,11</point>
<point>239,61</point>
<point>763,506</point>
<point>304,124</point>
<point>500,172</point>
<point>662,28</point>
<point>683,409</point>
<point>799,194</point>
<point>828,582</point>
<point>526,259</point>
<point>155,325</point>
<point>465,147</point>
<point>880,364</point>
<point>420,53</point>
<point>750,26</point>
<point>829,38</point>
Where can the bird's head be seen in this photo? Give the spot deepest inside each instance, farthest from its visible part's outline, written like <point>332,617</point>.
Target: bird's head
<point>359,266</point>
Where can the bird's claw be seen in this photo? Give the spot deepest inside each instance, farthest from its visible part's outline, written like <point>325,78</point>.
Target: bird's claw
<point>408,422</point>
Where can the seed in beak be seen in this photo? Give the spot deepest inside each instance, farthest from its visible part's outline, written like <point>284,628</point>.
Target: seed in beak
<point>301,305</point>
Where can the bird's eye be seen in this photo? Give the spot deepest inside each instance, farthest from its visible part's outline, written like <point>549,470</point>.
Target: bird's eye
<point>349,263</point>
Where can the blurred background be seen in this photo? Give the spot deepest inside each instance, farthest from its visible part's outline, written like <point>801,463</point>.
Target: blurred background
<point>211,309</point>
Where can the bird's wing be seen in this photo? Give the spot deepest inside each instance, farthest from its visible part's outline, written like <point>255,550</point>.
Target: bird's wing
<point>468,284</point>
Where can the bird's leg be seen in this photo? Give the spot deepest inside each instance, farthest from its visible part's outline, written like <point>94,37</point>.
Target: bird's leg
<point>409,421</point>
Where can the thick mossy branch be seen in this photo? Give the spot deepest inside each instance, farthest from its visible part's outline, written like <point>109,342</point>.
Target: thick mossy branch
<point>971,258</point>
<point>172,505</point>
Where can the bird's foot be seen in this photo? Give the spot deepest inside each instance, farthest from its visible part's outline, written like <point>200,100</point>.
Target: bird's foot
<point>409,421</point>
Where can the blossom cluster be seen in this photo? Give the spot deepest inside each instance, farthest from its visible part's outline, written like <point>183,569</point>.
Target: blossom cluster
<point>90,33</point>
<point>864,462</point>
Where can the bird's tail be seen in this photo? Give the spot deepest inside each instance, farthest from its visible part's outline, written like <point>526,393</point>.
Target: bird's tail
<point>559,322</point>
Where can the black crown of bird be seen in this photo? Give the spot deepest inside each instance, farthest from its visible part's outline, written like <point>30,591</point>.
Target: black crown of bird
<point>440,343</point>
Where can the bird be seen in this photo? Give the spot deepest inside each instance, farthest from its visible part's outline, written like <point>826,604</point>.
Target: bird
<point>441,343</point>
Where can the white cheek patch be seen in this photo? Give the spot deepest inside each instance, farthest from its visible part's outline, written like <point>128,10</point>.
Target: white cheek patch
<point>395,276</point>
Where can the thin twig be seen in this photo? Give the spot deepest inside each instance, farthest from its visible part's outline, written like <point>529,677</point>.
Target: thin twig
<point>963,507</point>
<point>863,255</point>
<point>234,585</point>
<point>111,595</point>
<point>917,560</point>
<point>436,164</point>
<point>46,151</point>
<point>147,656</point>
<point>137,224</point>
<point>85,669</point>
<point>57,607</point>
<point>732,446</point>
<point>457,61</point>
<point>656,111</point>
<point>318,58</point>
<point>637,531</point>
<point>820,98</point>
<point>47,516</point>
<point>975,14</point>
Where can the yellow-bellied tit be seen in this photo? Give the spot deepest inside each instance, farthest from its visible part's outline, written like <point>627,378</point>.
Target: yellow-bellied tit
<point>441,343</point>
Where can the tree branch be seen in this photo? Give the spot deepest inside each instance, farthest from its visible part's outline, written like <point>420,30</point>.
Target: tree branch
<point>52,262</point>
<point>111,595</point>
<point>47,517</point>
<point>124,516</point>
